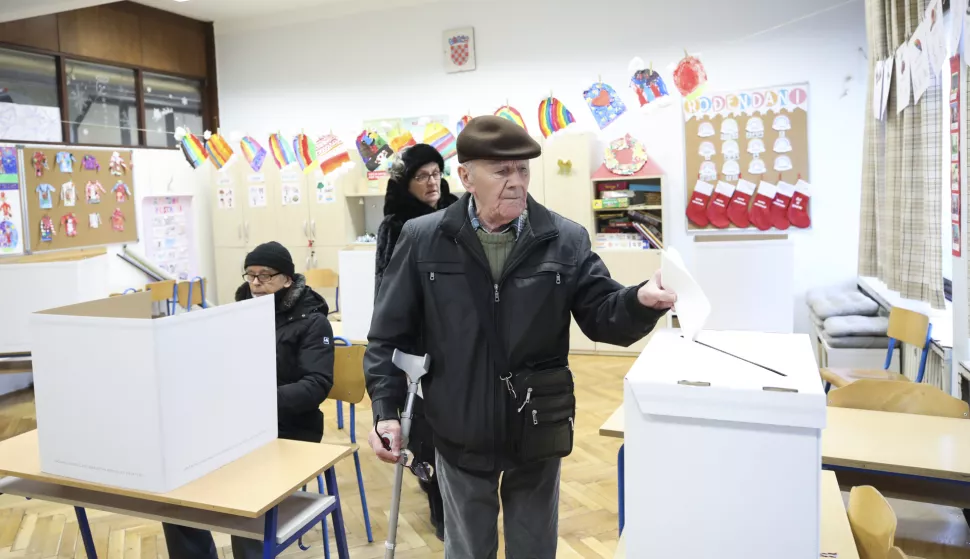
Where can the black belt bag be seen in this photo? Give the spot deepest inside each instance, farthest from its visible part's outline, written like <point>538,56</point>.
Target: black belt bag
<point>542,424</point>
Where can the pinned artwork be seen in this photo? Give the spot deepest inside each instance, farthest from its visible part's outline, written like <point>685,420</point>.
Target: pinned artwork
<point>757,167</point>
<point>65,161</point>
<point>282,151</point>
<point>69,224</point>
<point>257,196</point>
<point>46,229</point>
<point>191,147</point>
<point>117,165</point>
<point>374,150</point>
<point>708,171</point>
<point>401,139</point>
<point>461,123</point>
<point>511,113</point>
<point>68,194</point>
<point>254,153</point>
<point>226,198</point>
<point>8,161</point>
<point>781,123</point>
<point>783,163</point>
<point>90,163</point>
<point>706,130</point>
<point>565,166</point>
<point>9,235</point>
<point>93,191</point>
<point>553,116</point>
<point>326,193</point>
<point>649,86</point>
<point>45,200</point>
<point>118,220</point>
<point>6,210</point>
<point>707,150</point>
<point>756,146</point>
<point>625,156</point>
<point>441,139</point>
<point>332,156</point>
<point>94,220</point>
<point>755,127</point>
<point>731,150</point>
<point>782,145</point>
<point>122,193</point>
<point>690,77</point>
<point>218,149</point>
<point>731,170</point>
<point>291,194</point>
<point>306,152</point>
<point>39,161</point>
<point>604,103</point>
<point>729,129</point>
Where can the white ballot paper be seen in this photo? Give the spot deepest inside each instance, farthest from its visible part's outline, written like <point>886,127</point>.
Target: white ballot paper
<point>692,306</point>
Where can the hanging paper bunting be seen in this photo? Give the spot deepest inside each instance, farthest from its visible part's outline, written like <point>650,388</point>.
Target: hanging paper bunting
<point>305,151</point>
<point>218,149</point>
<point>625,156</point>
<point>650,87</point>
<point>255,154</point>
<point>506,111</point>
<point>461,123</point>
<point>441,139</point>
<point>690,76</point>
<point>282,151</point>
<point>373,149</point>
<point>332,155</point>
<point>401,139</point>
<point>553,116</point>
<point>191,147</point>
<point>604,103</point>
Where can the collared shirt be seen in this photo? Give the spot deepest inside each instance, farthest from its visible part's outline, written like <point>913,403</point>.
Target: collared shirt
<point>516,224</point>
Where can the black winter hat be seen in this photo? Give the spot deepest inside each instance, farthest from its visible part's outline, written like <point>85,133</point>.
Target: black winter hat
<point>272,255</point>
<point>417,156</point>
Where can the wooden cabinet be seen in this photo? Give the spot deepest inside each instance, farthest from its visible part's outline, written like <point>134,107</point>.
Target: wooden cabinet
<point>630,267</point>
<point>229,270</point>
<point>292,208</point>
<point>227,208</point>
<point>567,191</point>
<point>537,184</point>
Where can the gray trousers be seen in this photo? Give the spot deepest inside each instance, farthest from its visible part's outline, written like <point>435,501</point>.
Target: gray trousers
<point>192,543</point>
<point>530,500</point>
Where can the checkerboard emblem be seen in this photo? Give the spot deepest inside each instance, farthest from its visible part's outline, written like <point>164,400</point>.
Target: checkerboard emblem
<point>459,51</point>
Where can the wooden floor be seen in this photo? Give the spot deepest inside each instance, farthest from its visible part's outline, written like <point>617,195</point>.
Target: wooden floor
<point>587,513</point>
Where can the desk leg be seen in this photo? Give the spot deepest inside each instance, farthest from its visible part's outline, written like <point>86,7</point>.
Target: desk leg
<point>619,488</point>
<point>82,522</point>
<point>269,533</point>
<point>338,517</point>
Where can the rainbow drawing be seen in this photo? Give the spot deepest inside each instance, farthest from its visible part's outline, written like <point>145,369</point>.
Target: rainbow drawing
<point>441,139</point>
<point>553,116</point>
<point>461,123</point>
<point>509,112</point>
<point>192,148</point>
<point>282,151</point>
<point>218,150</point>
<point>255,154</point>
<point>305,151</point>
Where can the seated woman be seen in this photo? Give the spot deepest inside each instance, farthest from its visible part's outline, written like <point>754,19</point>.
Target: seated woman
<point>304,375</point>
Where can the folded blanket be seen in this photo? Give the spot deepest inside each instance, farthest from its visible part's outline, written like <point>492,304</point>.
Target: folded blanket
<point>841,326</point>
<point>856,342</point>
<point>815,319</point>
<point>843,303</point>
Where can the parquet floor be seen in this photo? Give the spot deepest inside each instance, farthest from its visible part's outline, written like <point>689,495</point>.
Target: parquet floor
<point>588,505</point>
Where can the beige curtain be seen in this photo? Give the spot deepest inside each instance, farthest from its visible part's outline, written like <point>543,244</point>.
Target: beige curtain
<point>902,179</point>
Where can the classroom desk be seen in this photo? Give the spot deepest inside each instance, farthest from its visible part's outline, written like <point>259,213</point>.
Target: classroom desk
<point>338,329</point>
<point>835,534</point>
<point>15,365</point>
<point>256,497</point>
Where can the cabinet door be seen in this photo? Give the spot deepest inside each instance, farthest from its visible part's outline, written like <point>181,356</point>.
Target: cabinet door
<point>302,255</point>
<point>259,215</point>
<point>227,207</point>
<point>229,270</point>
<point>578,342</point>
<point>569,193</point>
<point>537,187</point>
<point>630,267</point>
<point>293,209</point>
<point>335,219</point>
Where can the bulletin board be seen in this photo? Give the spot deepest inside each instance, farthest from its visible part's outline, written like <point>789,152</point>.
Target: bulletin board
<point>770,124</point>
<point>105,217</point>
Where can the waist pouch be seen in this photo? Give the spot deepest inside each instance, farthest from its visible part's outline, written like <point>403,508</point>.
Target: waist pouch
<point>543,422</point>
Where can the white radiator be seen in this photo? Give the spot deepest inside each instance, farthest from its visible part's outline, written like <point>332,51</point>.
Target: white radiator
<point>935,373</point>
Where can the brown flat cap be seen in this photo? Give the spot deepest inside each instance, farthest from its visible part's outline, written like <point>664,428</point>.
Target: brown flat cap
<point>497,139</point>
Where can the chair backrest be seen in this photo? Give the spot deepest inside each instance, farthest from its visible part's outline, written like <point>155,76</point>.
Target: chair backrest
<point>198,292</point>
<point>898,397</point>
<point>348,374</point>
<point>908,326</point>
<point>896,553</point>
<point>321,278</point>
<point>873,522</point>
<point>161,290</point>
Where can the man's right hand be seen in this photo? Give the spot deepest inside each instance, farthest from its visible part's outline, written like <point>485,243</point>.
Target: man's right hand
<point>390,429</point>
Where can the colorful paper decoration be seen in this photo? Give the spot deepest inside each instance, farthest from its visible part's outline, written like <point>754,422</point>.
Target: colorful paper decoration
<point>553,116</point>
<point>93,191</point>
<point>690,77</point>
<point>191,147</point>
<point>604,103</point>
<point>565,166</point>
<point>9,236</point>
<point>441,139</point>
<point>649,86</point>
<point>282,151</point>
<point>254,153</point>
<point>89,163</point>
<point>118,220</point>
<point>625,156</point>
<point>461,123</point>
<point>509,112</point>
<point>332,155</point>
<point>373,149</point>
<point>39,161</point>
<point>401,139</point>
<point>121,192</point>
<point>117,165</point>
<point>69,223</point>
<point>306,152</point>
<point>218,149</point>
<point>46,229</point>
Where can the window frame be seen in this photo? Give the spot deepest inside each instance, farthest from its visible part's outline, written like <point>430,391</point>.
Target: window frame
<point>60,60</point>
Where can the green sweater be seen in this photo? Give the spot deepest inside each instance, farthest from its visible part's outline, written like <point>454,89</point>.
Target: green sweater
<point>497,247</point>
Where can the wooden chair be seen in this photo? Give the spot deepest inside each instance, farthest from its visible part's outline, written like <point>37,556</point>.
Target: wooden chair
<point>325,278</point>
<point>873,524</point>
<point>191,293</point>
<point>164,291</point>
<point>898,397</point>
<point>905,326</point>
<point>896,553</point>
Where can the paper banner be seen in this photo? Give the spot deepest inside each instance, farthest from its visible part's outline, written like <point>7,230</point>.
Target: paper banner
<point>510,113</point>
<point>604,103</point>
<point>553,116</point>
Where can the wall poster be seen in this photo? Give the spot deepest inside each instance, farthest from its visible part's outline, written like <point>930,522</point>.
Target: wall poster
<point>747,160</point>
<point>955,187</point>
<point>169,234</point>
<point>11,211</point>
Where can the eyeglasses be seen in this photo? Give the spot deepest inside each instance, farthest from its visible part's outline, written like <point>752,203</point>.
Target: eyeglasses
<point>423,177</point>
<point>263,278</point>
<point>422,470</point>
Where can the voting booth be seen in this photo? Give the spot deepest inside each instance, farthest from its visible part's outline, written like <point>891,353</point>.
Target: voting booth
<point>723,452</point>
<point>152,404</point>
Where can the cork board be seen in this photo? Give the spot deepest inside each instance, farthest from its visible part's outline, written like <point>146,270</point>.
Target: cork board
<point>102,204</point>
<point>744,108</point>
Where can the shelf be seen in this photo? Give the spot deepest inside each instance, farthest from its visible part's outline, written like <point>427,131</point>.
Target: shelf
<point>636,207</point>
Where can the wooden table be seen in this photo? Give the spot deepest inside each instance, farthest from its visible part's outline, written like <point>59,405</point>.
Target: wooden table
<point>256,496</point>
<point>835,534</point>
<point>15,364</point>
<point>338,329</point>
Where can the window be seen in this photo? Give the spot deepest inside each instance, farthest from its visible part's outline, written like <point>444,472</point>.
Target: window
<point>102,104</point>
<point>29,110</point>
<point>171,103</point>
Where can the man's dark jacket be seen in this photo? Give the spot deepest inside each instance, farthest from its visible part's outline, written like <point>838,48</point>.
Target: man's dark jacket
<point>425,305</point>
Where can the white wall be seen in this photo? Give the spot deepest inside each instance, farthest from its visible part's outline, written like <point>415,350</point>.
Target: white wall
<point>333,73</point>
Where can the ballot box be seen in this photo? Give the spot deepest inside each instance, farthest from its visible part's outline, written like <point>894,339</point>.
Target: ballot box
<point>723,455</point>
<point>151,404</point>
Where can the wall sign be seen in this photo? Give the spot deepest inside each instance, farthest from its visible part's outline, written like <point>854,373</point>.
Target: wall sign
<point>955,194</point>
<point>459,50</point>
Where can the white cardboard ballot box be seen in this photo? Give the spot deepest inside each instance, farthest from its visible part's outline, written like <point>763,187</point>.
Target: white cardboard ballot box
<point>137,403</point>
<point>723,457</point>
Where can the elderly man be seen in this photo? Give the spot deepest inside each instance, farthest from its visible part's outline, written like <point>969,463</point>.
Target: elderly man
<point>486,287</point>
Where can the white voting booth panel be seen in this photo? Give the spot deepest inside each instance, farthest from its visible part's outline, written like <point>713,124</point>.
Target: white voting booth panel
<point>31,287</point>
<point>132,402</point>
<point>723,458</point>
<point>357,268</point>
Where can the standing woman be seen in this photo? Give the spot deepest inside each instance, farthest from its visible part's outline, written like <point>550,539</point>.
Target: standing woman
<point>304,375</point>
<point>415,189</point>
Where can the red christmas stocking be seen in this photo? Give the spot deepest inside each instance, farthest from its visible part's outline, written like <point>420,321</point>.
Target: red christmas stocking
<point>798,210</point>
<point>738,208</point>
<point>760,213</point>
<point>697,206</point>
<point>718,208</point>
<point>779,207</point>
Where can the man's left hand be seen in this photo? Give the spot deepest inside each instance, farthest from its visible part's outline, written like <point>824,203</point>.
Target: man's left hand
<point>653,295</point>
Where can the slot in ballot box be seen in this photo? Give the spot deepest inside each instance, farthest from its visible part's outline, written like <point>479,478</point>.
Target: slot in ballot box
<point>723,457</point>
<point>152,404</point>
